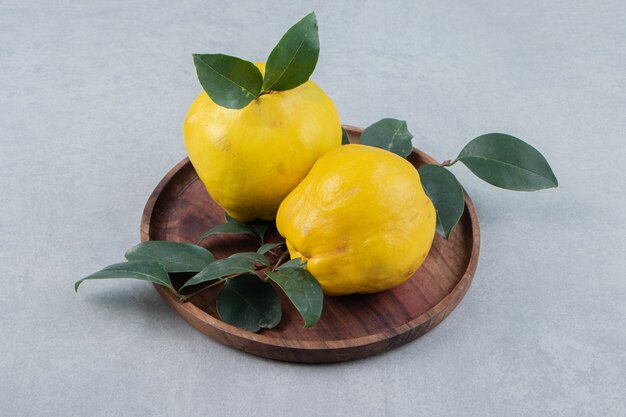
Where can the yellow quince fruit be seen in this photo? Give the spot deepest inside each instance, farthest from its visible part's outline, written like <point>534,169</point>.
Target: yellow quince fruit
<point>360,219</point>
<point>249,159</point>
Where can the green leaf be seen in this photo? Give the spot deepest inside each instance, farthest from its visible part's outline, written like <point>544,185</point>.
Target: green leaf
<point>507,162</point>
<point>269,246</point>
<point>228,229</point>
<point>257,227</point>
<point>293,60</point>
<point>443,189</point>
<point>303,290</point>
<point>345,139</point>
<point>229,81</point>
<point>293,263</point>
<point>230,219</point>
<point>173,256</point>
<point>390,134</point>
<point>260,228</point>
<point>220,269</point>
<point>253,257</point>
<point>249,303</point>
<point>144,270</point>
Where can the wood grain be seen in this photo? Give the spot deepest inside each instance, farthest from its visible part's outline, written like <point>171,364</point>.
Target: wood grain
<point>351,327</point>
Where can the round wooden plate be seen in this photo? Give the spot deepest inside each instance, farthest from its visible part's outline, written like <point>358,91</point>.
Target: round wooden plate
<point>351,327</point>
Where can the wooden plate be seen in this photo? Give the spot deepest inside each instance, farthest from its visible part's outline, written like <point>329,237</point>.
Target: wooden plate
<point>351,327</point>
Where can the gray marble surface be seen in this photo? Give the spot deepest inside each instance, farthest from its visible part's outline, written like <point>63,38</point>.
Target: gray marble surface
<point>92,98</point>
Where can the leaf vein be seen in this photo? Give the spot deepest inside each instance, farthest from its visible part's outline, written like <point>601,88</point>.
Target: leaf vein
<point>497,161</point>
<point>248,92</point>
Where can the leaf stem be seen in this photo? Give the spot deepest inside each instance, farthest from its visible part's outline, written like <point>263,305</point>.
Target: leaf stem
<point>185,298</point>
<point>447,163</point>
<point>280,260</point>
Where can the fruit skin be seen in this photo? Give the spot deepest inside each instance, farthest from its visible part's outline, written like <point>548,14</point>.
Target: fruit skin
<point>360,218</point>
<point>249,159</point>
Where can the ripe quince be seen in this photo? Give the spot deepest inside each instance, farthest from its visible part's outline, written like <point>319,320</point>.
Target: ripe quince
<point>360,219</point>
<point>249,159</point>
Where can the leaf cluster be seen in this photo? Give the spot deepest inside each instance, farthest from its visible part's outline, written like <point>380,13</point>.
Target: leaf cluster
<point>246,298</point>
<point>234,83</point>
<point>499,159</point>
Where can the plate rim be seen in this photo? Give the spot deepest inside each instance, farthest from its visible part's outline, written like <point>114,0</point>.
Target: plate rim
<point>315,345</point>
